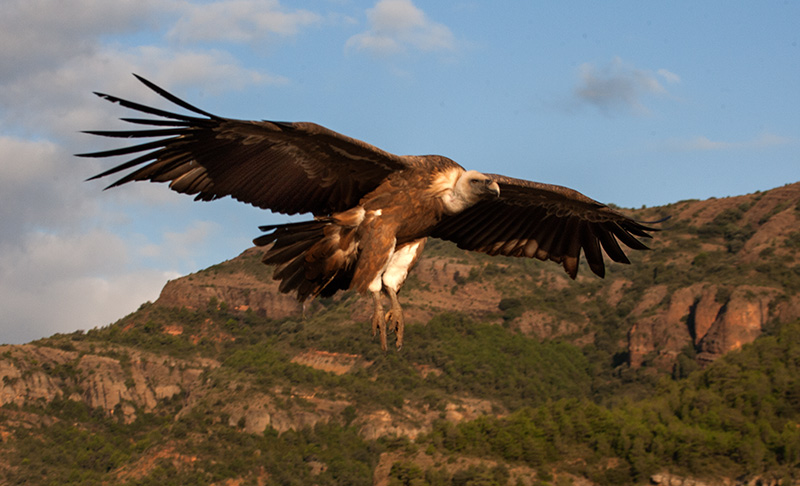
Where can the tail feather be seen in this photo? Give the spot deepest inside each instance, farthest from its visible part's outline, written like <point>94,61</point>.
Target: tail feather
<point>302,253</point>
<point>290,232</point>
<point>277,255</point>
<point>293,281</point>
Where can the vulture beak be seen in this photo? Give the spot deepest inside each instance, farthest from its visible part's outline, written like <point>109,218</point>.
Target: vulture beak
<point>493,188</point>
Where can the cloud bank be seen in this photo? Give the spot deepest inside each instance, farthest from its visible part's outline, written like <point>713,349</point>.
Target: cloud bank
<point>239,21</point>
<point>397,27</point>
<point>68,259</point>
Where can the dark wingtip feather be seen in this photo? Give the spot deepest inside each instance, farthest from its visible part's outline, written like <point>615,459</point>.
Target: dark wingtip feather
<point>161,132</point>
<point>149,109</point>
<point>124,150</point>
<point>570,265</point>
<point>598,268</point>
<point>610,245</point>
<point>159,123</point>
<point>657,221</point>
<point>625,237</point>
<point>171,97</point>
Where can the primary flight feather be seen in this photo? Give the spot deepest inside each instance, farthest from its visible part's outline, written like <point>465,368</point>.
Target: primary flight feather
<point>373,210</point>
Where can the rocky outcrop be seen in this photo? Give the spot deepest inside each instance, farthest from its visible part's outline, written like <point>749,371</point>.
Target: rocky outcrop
<point>20,381</point>
<point>667,479</point>
<point>661,331</point>
<point>258,412</point>
<point>739,321</point>
<point>701,316</point>
<point>705,313</point>
<point>243,283</point>
<point>241,291</point>
<point>337,363</point>
<point>254,412</point>
<point>411,422</point>
<point>120,381</point>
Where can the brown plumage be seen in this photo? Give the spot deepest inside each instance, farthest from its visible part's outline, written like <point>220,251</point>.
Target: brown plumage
<point>372,210</point>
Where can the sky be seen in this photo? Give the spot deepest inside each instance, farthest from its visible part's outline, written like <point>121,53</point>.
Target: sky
<point>632,103</point>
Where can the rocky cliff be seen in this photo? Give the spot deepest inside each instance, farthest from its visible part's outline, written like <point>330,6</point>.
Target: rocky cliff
<point>117,380</point>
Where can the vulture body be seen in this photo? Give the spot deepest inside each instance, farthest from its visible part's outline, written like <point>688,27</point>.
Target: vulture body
<point>373,210</point>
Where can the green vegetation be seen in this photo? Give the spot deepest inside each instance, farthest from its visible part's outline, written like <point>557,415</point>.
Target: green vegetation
<point>727,225</point>
<point>474,358</point>
<point>191,450</point>
<point>741,415</point>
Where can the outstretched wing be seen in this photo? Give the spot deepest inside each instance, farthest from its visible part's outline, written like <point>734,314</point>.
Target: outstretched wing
<point>285,167</point>
<point>546,222</point>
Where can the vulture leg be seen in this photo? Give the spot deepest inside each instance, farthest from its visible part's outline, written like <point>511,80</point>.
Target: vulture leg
<point>394,318</point>
<point>378,321</point>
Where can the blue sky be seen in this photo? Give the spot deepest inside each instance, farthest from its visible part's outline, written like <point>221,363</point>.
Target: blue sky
<point>632,103</point>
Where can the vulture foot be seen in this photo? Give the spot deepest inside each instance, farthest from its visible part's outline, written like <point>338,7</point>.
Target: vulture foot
<point>378,320</point>
<point>394,318</point>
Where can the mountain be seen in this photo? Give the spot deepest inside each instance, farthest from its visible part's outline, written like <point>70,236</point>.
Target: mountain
<point>684,366</point>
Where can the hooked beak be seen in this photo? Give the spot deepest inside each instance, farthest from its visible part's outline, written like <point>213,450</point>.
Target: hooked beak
<point>493,188</point>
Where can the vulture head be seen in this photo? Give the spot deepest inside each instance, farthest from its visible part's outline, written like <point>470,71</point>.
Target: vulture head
<point>470,187</point>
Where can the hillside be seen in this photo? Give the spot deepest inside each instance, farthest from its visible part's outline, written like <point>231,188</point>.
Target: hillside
<point>721,271</point>
<point>685,364</point>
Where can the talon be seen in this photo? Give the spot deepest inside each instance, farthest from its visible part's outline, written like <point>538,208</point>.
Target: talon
<point>395,323</point>
<point>394,327</point>
<point>395,317</point>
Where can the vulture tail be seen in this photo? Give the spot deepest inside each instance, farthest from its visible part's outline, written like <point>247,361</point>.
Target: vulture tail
<point>311,258</point>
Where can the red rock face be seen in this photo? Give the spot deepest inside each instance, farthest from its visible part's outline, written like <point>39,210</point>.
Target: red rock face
<point>705,313</point>
<point>240,291</point>
<point>662,331</point>
<point>695,317</point>
<point>338,363</point>
<point>738,322</point>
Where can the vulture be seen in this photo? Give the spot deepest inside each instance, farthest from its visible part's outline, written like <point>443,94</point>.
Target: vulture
<point>372,210</point>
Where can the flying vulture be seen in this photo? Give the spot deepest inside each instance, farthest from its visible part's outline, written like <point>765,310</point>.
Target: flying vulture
<point>372,210</point>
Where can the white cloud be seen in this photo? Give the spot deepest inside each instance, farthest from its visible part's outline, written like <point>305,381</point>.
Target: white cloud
<point>239,21</point>
<point>34,33</point>
<point>37,33</point>
<point>395,26</point>
<point>58,283</point>
<point>180,246</point>
<point>702,143</point>
<point>39,188</point>
<point>620,86</point>
<point>52,57</point>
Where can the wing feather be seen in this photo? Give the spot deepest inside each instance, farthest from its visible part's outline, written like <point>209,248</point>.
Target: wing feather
<point>610,245</point>
<point>546,222</point>
<point>591,248</point>
<point>549,233</point>
<point>285,167</point>
<point>485,240</point>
